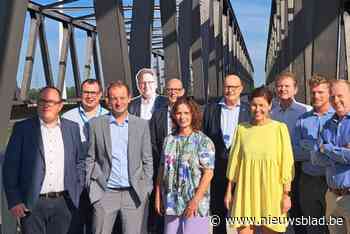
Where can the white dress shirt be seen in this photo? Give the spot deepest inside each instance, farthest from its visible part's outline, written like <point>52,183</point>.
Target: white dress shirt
<point>147,108</point>
<point>54,158</point>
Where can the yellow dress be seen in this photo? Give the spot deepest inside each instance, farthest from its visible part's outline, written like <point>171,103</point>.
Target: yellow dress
<point>260,163</point>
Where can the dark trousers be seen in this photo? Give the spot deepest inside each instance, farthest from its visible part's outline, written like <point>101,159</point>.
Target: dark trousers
<point>82,217</point>
<point>217,194</point>
<point>295,211</point>
<point>155,222</point>
<point>312,191</point>
<point>49,216</point>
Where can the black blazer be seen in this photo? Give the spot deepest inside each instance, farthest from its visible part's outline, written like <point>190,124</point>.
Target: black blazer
<point>159,130</point>
<point>135,104</point>
<point>212,128</point>
<point>24,165</point>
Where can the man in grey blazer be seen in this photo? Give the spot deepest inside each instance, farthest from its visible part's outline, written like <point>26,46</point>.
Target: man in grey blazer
<point>119,166</point>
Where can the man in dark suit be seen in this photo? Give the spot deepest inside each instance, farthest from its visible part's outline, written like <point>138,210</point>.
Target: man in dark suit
<point>220,120</point>
<point>44,168</point>
<point>161,126</point>
<point>144,105</point>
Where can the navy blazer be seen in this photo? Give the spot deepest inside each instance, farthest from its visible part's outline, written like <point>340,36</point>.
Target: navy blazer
<point>212,128</point>
<point>159,130</point>
<point>135,104</point>
<point>24,165</point>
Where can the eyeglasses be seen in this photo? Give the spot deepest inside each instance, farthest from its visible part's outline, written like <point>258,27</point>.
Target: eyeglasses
<point>44,102</point>
<point>232,87</point>
<point>144,83</point>
<point>173,90</point>
<point>92,93</point>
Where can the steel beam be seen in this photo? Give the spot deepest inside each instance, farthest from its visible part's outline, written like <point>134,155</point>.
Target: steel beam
<point>113,42</point>
<point>197,54</point>
<point>75,63</point>
<point>346,18</point>
<point>89,55</point>
<point>326,22</point>
<point>12,17</point>
<point>218,11</point>
<point>97,63</point>
<point>212,71</point>
<point>140,38</point>
<point>170,39</point>
<point>30,55</point>
<point>62,67</point>
<point>185,29</point>
<point>45,53</point>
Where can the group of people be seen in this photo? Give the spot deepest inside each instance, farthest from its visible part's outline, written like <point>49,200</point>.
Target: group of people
<point>159,164</point>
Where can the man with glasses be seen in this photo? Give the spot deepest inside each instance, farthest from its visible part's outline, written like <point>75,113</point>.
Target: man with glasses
<point>144,105</point>
<point>91,93</point>
<point>220,120</point>
<point>161,126</point>
<point>44,168</point>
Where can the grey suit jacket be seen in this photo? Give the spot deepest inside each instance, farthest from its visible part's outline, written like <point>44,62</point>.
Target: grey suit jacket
<point>99,158</point>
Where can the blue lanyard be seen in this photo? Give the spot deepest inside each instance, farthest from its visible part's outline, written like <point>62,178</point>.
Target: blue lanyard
<point>84,119</point>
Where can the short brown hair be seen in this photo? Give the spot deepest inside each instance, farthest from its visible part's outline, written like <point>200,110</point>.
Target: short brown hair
<point>53,88</point>
<point>91,81</point>
<point>290,75</point>
<point>195,111</point>
<point>317,80</point>
<point>262,91</point>
<point>346,82</point>
<point>118,84</point>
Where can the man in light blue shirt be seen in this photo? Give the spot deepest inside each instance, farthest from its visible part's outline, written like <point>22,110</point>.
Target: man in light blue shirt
<point>312,183</point>
<point>288,110</point>
<point>334,153</point>
<point>229,120</point>
<point>91,93</point>
<point>119,177</point>
<point>119,166</point>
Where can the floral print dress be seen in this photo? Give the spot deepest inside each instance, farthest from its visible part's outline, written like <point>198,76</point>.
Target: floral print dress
<point>183,160</point>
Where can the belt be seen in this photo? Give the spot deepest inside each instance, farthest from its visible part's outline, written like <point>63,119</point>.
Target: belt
<point>53,194</point>
<point>340,192</point>
<point>119,189</point>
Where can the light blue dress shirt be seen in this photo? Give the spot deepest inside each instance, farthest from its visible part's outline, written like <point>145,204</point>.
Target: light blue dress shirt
<point>229,121</point>
<point>119,177</point>
<point>79,116</point>
<point>290,115</point>
<point>335,139</point>
<point>307,134</point>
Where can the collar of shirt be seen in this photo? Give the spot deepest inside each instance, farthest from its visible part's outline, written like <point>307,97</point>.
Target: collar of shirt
<point>330,111</point>
<point>293,106</point>
<point>83,113</point>
<point>43,124</point>
<point>148,101</point>
<point>223,104</point>
<point>113,120</point>
<point>336,119</point>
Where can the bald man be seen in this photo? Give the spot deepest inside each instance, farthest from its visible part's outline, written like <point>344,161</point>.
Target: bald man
<point>220,120</point>
<point>161,126</point>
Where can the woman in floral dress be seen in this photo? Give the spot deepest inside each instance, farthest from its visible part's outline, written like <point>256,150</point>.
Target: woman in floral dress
<point>186,169</point>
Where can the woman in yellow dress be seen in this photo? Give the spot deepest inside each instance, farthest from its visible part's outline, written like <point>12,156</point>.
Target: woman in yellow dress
<point>260,171</point>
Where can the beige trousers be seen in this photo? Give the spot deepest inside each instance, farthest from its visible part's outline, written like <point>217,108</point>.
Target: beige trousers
<point>337,207</point>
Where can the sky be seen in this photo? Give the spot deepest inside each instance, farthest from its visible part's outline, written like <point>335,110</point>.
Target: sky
<point>253,18</point>
<point>252,15</point>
